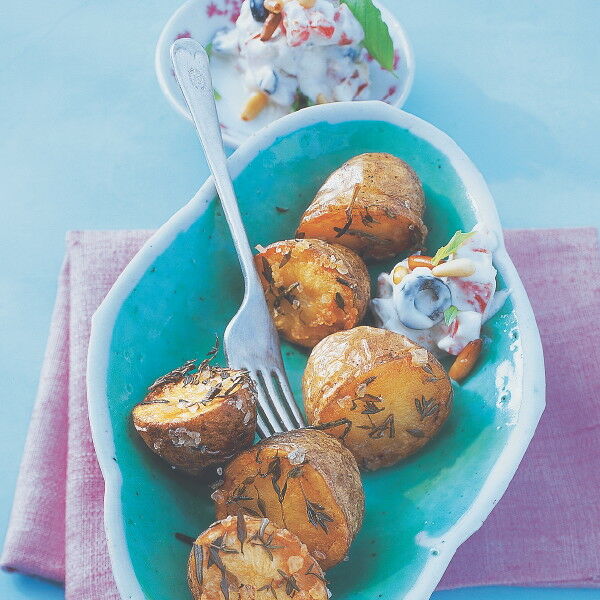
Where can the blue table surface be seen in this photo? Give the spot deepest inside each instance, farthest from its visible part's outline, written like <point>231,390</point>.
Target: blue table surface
<point>88,141</point>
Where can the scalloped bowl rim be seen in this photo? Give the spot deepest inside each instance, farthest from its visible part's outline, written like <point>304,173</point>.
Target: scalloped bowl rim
<point>533,382</point>
<point>165,40</point>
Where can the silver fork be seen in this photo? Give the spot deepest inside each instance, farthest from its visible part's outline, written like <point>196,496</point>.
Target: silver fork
<point>251,341</point>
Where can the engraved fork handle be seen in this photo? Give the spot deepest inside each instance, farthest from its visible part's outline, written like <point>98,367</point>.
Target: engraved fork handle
<point>192,71</point>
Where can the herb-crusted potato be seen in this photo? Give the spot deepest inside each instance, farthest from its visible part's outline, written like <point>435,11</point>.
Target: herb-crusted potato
<point>372,204</point>
<point>244,558</point>
<point>303,480</point>
<point>313,288</point>
<point>380,393</point>
<point>197,419</point>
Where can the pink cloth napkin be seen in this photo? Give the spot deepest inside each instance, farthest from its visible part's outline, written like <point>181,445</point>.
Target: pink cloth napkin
<point>543,532</point>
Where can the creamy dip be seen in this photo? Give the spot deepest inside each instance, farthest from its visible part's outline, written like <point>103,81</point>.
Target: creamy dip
<point>315,51</point>
<point>416,306</point>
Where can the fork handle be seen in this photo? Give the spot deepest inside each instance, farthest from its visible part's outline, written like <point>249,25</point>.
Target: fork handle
<point>192,71</point>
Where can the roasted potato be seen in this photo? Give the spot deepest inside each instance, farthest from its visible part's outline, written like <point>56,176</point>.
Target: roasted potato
<point>303,480</point>
<point>313,288</point>
<point>245,558</point>
<point>377,391</point>
<point>197,418</point>
<point>373,204</point>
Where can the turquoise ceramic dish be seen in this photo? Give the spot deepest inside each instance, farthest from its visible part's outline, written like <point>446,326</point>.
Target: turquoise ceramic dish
<point>185,285</point>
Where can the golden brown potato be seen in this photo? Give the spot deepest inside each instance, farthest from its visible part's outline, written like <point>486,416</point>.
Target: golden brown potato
<point>197,418</point>
<point>303,480</point>
<point>245,558</point>
<point>372,204</point>
<point>313,288</point>
<point>380,393</point>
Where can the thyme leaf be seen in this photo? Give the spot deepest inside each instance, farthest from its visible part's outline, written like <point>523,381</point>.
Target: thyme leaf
<point>198,559</point>
<point>340,231</point>
<point>285,259</point>
<point>242,531</point>
<point>219,545</point>
<point>267,271</point>
<point>345,282</point>
<point>186,539</point>
<point>262,507</point>
<point>416,432</point>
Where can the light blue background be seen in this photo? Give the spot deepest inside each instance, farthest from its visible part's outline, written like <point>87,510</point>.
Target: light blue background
<point>88,141</point>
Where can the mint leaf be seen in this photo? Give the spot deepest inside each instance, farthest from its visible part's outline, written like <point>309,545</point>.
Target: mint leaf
<point>450,314</point>
<point>377,35</point>
<point>209,49</point>
<point>458,239</point>
<point>301,101</point>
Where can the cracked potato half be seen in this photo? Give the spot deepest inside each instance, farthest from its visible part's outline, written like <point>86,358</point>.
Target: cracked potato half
<point>304,481</point>
<point>313,288</point>
<point>195,418</point>
<point>373,204</point>
<point>377,391</point>
<point>246,558</point>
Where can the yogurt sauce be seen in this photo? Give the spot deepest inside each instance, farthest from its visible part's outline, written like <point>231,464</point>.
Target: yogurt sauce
<point>411,300</point>
<point>315,51</point>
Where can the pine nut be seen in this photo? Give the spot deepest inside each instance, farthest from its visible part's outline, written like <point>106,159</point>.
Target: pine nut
<point>399,273</point>
<point>274,6</point>
<point>272,22</point>
<point>459,267</point>
<point>322,99</point>
<point>255,105</point>
<point>307,3</point>
<point>466,360</point>
<point>418,260</point>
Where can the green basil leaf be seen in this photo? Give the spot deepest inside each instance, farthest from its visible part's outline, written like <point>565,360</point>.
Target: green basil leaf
<point>458,239</point>
<point>377,35</point>
<point>450,314</point>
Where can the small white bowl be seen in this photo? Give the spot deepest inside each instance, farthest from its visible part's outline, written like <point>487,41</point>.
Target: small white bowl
<point>200,19</point>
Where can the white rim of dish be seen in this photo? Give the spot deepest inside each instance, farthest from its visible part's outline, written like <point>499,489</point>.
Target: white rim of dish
<point>533,380</point>
<point>234,141</point>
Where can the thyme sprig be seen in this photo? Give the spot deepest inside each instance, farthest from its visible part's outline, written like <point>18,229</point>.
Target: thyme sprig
<point>317,515</point>
<point>331,424</point>
<point>291,586</point>
<point>174,376</point>
<point>317,575</point>
<point>427,408</point>
<point>378,431</point>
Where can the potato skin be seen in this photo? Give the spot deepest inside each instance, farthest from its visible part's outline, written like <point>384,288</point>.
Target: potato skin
<point>323,501</point>
<point>180,423</point>
<point>373,204</point>
<point>380,393</point>
<point>328,288</point>
<point>258,560</point>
